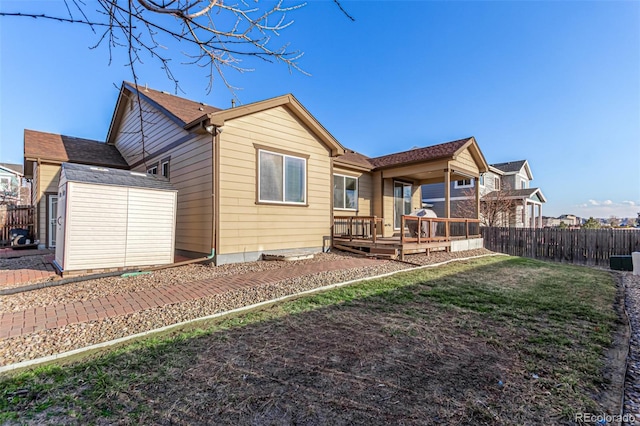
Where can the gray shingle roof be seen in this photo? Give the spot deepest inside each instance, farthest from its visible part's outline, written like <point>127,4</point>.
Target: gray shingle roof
<point>115,177</point>
<point>511,166</point>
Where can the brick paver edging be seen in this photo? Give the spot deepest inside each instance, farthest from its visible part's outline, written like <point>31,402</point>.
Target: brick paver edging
<point>13,324</point>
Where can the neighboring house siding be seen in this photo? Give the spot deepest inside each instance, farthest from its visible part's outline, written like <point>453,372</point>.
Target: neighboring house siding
<point>191,172</point>
<point>48,176</point>
<point>249,227</point>
<point>365,193</point>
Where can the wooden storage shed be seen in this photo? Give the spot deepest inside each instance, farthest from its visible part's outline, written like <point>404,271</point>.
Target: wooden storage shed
<point>110,219</point>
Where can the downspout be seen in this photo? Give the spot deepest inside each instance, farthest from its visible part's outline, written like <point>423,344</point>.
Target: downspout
<point>215,184</point>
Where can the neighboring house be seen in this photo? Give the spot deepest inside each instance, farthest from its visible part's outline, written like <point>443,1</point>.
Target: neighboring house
<point>568,219</point>
<point>508,183</point>
<point>263,177</point>
<point>11,178</point>
<point>43,155</point>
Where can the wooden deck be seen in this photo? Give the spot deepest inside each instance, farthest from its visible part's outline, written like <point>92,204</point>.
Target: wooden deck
<point>363,235</point>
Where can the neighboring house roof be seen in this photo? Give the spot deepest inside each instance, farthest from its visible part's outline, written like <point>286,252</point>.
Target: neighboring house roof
<point>13,168</point>
<point>512,167</point>
<point>114,177</point>
<point>518,194</point>
<point>61,148</point>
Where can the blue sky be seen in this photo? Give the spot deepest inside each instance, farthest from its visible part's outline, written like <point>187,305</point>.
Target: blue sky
<point>556,83</point>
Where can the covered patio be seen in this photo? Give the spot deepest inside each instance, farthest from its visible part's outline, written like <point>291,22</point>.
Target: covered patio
<point>398,225</point>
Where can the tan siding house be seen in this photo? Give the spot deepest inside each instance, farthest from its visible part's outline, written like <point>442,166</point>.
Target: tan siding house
<point>263,177</point>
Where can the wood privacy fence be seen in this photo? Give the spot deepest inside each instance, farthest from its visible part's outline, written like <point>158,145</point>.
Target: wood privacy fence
<point>583,246</point>
<point>14,217</point>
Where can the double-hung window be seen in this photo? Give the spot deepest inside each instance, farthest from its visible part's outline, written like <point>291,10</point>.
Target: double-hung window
<point>282,178</point>
<point>345,192</point>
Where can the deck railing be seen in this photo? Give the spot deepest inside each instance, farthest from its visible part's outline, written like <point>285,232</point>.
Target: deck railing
<point>431,229</point>
<point>357,227</point>
<point>428,229</point>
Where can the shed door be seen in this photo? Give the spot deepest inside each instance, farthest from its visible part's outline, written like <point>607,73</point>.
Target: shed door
<point>61,204</point>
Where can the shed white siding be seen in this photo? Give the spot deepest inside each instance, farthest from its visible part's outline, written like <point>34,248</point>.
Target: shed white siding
<point>115,227</point>
<point>151,219</point>
<point>95,231</point>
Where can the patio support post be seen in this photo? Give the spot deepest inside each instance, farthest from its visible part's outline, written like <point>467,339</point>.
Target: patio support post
<point>533,216</point>
<point>539,215</point>
<point>447,193</point>
<point>477,198</point>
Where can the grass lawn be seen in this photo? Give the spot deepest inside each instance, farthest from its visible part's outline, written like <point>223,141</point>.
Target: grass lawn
<point>496,340</point>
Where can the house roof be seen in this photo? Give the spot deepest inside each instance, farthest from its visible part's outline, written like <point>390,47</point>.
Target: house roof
<point>353,158</point>
<point>288,101</point>
<point>443,150</point>
<point>183,109</point>
<point>193,115</point>
<point>512,167</point>
<point>518,194</point>
<point>15,168</point>
<point>114,177</point>
<point>61,148</point>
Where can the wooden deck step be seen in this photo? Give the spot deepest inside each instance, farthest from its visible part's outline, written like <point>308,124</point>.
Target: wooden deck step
<point>383,252</point>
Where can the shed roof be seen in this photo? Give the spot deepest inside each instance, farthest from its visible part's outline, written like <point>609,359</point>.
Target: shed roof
<point>114,177</point>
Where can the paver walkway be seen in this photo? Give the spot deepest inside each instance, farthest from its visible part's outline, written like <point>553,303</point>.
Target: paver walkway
<point>40,269</point>
<point>18,323</point>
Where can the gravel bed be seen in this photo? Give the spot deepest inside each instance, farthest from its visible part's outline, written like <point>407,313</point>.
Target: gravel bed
<point>75,336</point>
<point>93,289</point>
<point>632,383</point>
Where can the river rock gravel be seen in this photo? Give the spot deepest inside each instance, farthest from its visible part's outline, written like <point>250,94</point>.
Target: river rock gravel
<point>74,336</point>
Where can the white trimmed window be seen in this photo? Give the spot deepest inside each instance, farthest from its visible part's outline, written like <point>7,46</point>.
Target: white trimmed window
<point>153,170</point>
<point>164,168</point>
<point>5,184</point>
<point>345,192</point>
<point>496,184</point>
<point>464,183</point>
<point>282,178</point>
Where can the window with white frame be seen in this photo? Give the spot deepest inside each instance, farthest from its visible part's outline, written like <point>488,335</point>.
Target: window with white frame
<point>153,170</point>
<point>282,178</point>
<point>5,184</point>
<point>164,168</point>
<point>345,192</point>
<point>481,180</point>
<point>464,183</point>
<point>496,184</point>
